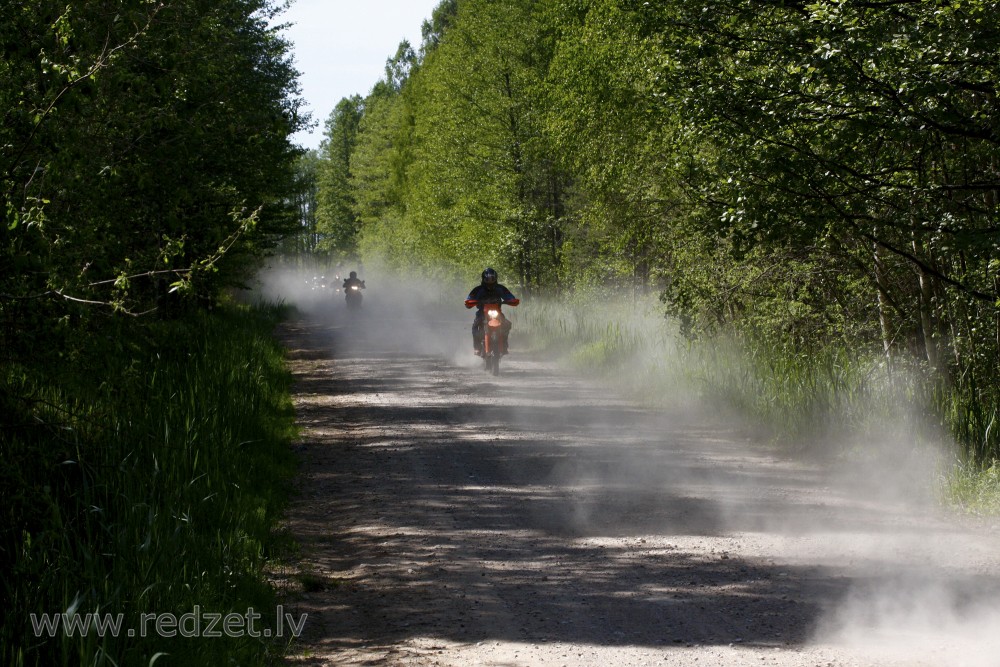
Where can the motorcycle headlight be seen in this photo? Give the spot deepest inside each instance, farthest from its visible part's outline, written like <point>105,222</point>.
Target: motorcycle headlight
<point>354,287</point>
<point>494,313</point>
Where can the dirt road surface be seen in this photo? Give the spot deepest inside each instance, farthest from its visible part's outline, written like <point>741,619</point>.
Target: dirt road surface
<point>447,517</point>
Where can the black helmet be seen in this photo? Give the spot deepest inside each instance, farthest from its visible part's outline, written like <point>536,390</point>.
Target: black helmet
<point>354,274</point>
<point>490,277</point>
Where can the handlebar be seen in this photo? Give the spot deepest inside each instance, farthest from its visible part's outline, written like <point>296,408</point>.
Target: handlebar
<point>472,303</point>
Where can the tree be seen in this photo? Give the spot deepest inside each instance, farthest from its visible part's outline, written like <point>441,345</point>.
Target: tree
<point>337,223</point>
<point>305,199</point>
<point>145,165</point>
<point>863,127</point>
<point>140,146</point>
<point>484,182</point>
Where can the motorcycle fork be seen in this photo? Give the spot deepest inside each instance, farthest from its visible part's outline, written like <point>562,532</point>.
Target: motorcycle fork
<point>492,339</point>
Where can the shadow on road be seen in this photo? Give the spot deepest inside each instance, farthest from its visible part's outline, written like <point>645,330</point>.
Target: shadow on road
<point>439,502</point>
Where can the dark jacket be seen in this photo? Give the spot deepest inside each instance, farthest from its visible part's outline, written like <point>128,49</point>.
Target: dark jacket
<point>482,292</point>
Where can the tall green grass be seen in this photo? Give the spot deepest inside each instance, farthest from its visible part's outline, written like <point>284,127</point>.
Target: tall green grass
<point>145,475</point>
<point>830,401</point>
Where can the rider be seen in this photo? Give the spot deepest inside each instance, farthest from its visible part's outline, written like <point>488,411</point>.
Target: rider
<point>489,288</point>
<point>353,280</point>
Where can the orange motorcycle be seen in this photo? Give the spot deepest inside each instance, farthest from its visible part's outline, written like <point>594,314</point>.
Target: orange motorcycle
<point>494,329</point>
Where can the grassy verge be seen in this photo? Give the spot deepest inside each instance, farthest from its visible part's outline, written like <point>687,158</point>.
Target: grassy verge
<point>834,401</point>
<point>145,476</point>
<point>975,489</point>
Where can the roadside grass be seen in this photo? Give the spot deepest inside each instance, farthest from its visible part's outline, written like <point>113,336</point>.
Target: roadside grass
<point>830,402</point>
<point>975,490</point>
<point>145,476</point>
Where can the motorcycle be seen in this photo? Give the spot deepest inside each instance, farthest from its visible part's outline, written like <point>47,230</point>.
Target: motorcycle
<point>495,329</point>
<point>352,294</point>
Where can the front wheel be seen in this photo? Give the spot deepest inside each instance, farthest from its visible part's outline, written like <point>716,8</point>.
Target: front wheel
<point>493,356</point>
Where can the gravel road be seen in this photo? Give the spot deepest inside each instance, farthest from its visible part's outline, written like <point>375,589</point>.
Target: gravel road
<point>447,517</point>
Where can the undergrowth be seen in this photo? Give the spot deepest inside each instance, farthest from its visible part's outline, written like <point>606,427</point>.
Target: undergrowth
<point>836,399</point>
<point>144,475</point>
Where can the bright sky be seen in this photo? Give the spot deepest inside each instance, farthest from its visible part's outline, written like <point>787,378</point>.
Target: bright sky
<point>340,47</point>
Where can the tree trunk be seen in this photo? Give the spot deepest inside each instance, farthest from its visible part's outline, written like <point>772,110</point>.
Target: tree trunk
<point>927,328</point>
<point>883,306</point>
<point>996,317</point>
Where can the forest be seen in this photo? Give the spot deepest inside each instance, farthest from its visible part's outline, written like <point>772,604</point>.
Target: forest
<point>145,167</point>
<point>814,182</point>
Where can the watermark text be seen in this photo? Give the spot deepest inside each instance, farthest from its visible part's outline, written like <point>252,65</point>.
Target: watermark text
<point>196,623</point>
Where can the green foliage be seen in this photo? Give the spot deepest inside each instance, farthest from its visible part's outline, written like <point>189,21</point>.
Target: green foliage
<point>831,402</point>
<point>805,178</point>
<point>146,477</point>
<point>306,201</point>
<point>379,161</point>
<point>336,219</point>
<point>434,28</point>
<point>450,166</point>
<point>605,127</point>
<point>976,489</point>
<point>144,166</point>
<point>135,143</point>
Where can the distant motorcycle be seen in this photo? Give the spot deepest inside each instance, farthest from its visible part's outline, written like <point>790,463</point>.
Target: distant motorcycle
<point>495,330</point>
<point>352,292</point>
<point>354,297</point>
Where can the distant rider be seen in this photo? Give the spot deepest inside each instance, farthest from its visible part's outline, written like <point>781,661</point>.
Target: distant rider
<point>353,280</point>
<point>489,289</point>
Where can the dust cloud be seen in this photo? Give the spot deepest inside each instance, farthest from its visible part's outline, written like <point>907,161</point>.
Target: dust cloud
<point>919,619</point>
<point>915,585</point>
<point>400,314</point>
<point>905,582</point>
